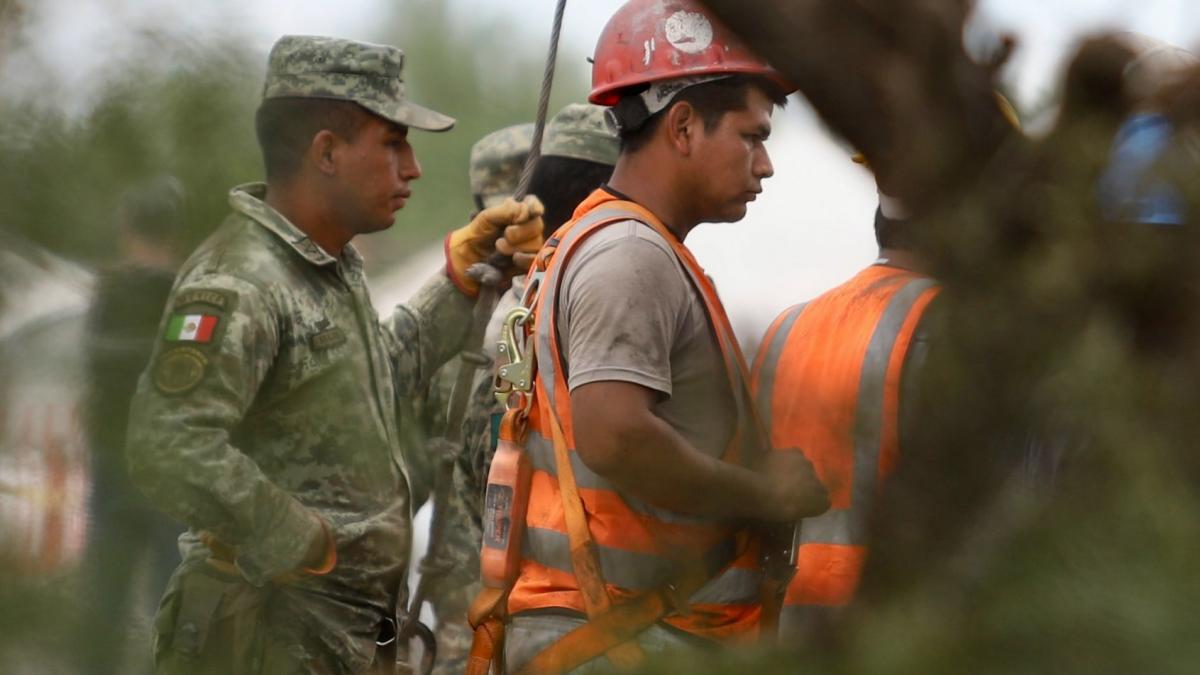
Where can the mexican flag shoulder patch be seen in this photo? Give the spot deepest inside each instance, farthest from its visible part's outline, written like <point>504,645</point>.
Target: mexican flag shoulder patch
<point>191,328</point>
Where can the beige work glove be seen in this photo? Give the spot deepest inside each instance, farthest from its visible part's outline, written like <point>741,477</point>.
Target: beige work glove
<point>510,228</point>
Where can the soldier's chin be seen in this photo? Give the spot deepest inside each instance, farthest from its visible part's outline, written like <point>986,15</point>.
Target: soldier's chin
<point>385,224</point>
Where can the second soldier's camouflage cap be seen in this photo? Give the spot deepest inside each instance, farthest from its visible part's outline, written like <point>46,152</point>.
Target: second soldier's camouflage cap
<point>580,131</point>
<point>497,161</point>
<point>306,66</point>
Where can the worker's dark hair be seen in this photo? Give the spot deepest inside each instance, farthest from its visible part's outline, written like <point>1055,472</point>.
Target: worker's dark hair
<point>710,99</point>
<point>891,233</point>
<point>286,126</point>
<point>562,183</point>
<point>153,209</point>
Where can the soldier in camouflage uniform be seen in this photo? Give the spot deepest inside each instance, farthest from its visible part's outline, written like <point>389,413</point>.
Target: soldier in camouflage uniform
<point>496,164</point>
<point>266,420</point>
<point>495,168</point>
<point>578,154</point>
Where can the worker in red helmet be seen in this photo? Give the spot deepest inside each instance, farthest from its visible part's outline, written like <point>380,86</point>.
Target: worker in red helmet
<point>648,460</point>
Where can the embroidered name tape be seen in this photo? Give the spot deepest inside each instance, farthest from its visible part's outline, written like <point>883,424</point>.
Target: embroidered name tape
<point>328,339</point>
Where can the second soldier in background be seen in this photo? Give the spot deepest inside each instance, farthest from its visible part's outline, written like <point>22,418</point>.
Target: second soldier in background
<point>578,153</point>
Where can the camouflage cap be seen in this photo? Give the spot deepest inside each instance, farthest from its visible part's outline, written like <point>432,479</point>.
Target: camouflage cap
<point>580,131</point>
<point>496,163</point>
<point>305,66</point>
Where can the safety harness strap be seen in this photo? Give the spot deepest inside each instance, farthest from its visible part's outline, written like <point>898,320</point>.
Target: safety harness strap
<point>486,617</point>
<point>618,626</point>
<point>624,655</point>
<point>487,647</point>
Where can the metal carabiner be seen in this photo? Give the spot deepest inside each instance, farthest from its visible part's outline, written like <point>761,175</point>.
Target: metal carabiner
<point>515,372</point>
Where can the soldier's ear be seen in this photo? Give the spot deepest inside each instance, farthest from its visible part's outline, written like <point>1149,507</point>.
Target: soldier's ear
<point>322,152</point>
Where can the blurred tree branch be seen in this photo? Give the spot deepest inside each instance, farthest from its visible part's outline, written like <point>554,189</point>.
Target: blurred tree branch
<point>888,75</point>
<point>1045,519</point>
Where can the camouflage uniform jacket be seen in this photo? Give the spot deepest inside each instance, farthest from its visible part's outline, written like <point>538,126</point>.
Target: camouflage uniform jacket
<point>286,408</point>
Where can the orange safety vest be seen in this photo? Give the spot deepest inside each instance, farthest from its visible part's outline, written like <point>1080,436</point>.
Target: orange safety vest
<point>827,381</point>
<point>639,547</point>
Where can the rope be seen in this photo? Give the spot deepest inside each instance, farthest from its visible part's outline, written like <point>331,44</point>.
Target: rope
<point>539,128</point>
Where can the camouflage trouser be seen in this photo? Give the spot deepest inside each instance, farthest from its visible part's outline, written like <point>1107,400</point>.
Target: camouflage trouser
<point>454,644</point>
<point>528,635</point>
<point>211,624</point>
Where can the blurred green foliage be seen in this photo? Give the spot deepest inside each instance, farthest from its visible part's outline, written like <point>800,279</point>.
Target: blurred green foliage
<point>61,176</point>
<point>189,110</point>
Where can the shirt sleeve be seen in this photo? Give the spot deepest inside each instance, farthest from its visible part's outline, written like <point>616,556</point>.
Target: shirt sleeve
<point>218,340</point>
<point>623,306</point>
<point>425,332</point>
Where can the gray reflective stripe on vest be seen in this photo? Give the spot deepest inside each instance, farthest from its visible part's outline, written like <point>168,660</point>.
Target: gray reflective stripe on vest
<point>735,586</point>
<point>636,571</point>
<point>540,451</point>
<point>798,621</point>
<point>626,569</point>
<point>848,526</point>
<point>835,526</point>
<point>770,365</point>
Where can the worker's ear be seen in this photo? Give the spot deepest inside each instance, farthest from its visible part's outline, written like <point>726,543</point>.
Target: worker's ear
<point>323,152</point>
<point>681,126</point>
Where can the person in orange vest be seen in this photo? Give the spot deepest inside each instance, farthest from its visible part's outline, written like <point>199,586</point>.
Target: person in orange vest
<point>837,377</point>
<point>834,377</point>
<point>641,431</point>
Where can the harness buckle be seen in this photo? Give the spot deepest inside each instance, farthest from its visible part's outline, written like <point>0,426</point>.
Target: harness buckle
<point>516,372</point>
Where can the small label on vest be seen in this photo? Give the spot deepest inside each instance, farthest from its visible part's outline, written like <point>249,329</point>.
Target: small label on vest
<point>497,521</point>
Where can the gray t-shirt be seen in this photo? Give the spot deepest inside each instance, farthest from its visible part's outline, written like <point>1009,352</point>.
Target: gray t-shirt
<point>628,312</point>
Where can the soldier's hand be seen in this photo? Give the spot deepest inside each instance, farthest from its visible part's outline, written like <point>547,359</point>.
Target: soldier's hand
<point>510,228</point>
<point>792,488</point>
<point>320,557</point>
<point>222,556</point>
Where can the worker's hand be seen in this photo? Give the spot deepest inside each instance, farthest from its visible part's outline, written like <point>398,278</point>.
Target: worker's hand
<point>510,228</point>
<point>791,488</point>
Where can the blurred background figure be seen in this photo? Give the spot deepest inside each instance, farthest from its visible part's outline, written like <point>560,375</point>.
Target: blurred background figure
<point>132,549</point>
<point>1137,185</point>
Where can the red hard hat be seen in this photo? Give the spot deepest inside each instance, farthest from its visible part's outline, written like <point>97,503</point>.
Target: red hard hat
<point>651,40</point>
